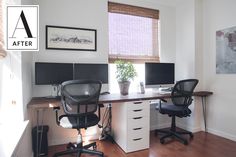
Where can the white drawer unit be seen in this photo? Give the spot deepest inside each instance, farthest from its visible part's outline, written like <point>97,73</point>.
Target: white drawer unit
<point>130,125</point>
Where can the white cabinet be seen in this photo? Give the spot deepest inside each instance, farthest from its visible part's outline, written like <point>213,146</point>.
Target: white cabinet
<point>131,125</point>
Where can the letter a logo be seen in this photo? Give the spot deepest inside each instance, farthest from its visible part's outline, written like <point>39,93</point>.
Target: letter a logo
<point>25,24</point>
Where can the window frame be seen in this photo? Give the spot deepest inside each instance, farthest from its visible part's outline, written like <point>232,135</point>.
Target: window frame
<point>141,12</point>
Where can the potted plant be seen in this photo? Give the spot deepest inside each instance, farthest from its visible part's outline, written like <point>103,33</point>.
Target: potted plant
<point>125,72</point>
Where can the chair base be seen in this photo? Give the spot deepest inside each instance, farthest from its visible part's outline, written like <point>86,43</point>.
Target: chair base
<point>79,149</point>
<point>175,134</point>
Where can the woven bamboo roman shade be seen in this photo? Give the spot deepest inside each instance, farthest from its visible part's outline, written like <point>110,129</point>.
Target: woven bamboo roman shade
<point>133,33</point>
<point>132,10</point>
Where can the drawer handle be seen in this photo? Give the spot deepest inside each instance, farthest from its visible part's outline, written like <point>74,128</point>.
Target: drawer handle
<point>137,128</point>
<point>138,110</point>
<point>137,117</point>
<point>138,102</point>
<point>137,139</point>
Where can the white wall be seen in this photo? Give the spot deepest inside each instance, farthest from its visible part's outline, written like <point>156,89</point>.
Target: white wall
<point>25,145</point>
<point>185,40</point>
<point>185,51</point>
<point>189,55</point>
<point>26,80</point>
<point>198,116</point>
<point>218,14</point>
<point>11,88</point>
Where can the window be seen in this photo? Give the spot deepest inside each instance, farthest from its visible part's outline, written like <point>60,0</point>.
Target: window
<point>2,49</point>
<point>133,33</point>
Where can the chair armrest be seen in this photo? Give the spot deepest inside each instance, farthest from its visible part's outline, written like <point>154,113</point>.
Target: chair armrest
<point>160,103</point>
<point>57,118</point>
<point>163,100</point>
<point>56,108</point>
<point>104,93</point>
<point>101,105</point>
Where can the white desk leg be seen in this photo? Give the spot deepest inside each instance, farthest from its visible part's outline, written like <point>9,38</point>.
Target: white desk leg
<point>204,111</point>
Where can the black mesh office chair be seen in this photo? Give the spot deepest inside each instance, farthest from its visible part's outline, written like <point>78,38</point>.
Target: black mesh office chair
<point>181,97</point>
<point>79,99</point>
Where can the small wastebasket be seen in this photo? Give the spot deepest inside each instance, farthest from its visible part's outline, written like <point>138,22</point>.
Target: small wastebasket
<point>40,140</point>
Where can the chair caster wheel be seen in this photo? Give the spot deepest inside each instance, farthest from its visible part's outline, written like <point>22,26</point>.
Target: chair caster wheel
<point>191,135</point>
<point>70,146</point>
<point>162,141</point>
<point>155,133</point>
<point>185,143</point>
<point>95,147</point>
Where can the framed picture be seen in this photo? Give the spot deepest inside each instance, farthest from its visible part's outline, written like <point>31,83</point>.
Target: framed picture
<point>70,38</point>
<point>226,51</point>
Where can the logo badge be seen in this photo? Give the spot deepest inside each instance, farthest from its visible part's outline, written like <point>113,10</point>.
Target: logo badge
<point>22,28</point>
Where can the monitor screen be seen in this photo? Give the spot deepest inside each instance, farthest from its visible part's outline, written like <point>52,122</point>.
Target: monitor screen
<point>91,71</point>
<point>159,73</point>
<point>52,73</point>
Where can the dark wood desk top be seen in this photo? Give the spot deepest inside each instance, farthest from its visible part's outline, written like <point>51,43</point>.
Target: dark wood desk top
<point>202,93</point>
<point>42,102</point>
<point>112,98</point>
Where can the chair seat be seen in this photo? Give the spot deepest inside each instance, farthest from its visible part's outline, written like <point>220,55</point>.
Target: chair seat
<point>71,122</point>
<point>171,109</point>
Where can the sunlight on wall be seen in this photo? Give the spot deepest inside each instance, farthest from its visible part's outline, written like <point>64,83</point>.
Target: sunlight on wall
<point>11,88</point>
<point>134,86</point>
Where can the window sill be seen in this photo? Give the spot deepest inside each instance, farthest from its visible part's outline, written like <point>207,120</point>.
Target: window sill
<point>10,135</point>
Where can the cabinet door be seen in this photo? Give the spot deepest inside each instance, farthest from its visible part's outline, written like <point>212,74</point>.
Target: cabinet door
<point>130,124</point>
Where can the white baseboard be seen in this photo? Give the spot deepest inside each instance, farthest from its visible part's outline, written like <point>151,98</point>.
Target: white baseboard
<point>222,134</point>
<point>213,131</point>
<point>165,125</point>
<point>189,128</point>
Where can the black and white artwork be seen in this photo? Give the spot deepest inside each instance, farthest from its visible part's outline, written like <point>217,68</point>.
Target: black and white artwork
<point>70,38</point>
<point>226,51</point>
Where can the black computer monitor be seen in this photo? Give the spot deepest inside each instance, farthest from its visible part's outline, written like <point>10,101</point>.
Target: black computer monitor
<point>91,71</point>
<point>52,73</point>
<point>159,74</point>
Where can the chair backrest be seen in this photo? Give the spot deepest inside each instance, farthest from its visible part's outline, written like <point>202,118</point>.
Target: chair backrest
<point>181,94</point>
<point>80,96</point>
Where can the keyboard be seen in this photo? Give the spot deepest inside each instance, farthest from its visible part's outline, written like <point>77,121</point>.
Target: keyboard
<point>169,89</point>
<point>165,92</point>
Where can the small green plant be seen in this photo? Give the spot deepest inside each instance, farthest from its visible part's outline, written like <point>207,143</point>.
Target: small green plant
<point>125,71</point>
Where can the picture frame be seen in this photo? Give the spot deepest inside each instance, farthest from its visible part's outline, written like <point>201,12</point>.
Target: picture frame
<point>226,51</point>
<point>71,38</point>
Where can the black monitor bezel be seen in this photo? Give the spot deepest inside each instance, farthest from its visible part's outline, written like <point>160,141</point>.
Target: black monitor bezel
<point>93,66</point>
<point>53,82</point>
<point>159,82</point>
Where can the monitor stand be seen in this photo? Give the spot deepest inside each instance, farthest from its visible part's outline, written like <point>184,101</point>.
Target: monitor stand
<point>53,97</point>
<point>161,90</point>
<point>155,90</point>
<point>55,92</point>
